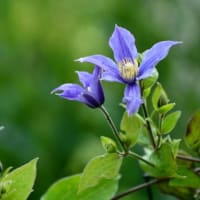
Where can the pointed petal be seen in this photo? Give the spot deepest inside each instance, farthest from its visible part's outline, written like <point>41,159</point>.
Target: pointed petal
<point>152,56</point>
<point>122,43</point>
<point>96,87</point>
<point>85,78</point>
<point>69,91</point>
<point>101,61</point>
<point>132,98</point>
<point>112,77</point>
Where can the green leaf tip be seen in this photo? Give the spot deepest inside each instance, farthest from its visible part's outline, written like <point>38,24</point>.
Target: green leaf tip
<point>100,167</point>
<point>21,181</point>
<point>170,121</point>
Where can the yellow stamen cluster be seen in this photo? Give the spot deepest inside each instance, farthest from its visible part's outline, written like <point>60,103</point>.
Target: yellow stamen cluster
<point>128,69</point>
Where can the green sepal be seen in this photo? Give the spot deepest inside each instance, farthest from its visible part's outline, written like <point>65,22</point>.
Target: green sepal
<point>131,127</point>
<point>169,122</point>
<point>108,144</point>
<point>100,167</point>
<point>192,137</point>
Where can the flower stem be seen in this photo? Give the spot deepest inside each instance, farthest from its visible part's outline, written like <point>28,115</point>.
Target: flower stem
<point>132,154</point>
<point>113,127</point>
<point>146,115</point>
<point>139,187</point>
<point>188,158</point>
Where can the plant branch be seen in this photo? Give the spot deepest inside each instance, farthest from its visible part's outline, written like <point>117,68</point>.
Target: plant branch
<point>113,127</point>
<point>132,154</point>
<point>188,158</point>
<point>146,115</point>
<point>136,188</point>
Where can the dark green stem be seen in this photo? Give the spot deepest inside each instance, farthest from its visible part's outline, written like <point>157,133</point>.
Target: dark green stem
<point>188,158</point>
<point>132,154</point>
<point>146,115</point>
<point>113,127</point>
<point>139,187</point>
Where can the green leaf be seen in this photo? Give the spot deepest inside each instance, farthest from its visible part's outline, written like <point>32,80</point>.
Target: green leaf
<point>192,136</point>
<point>189,178</point>
<point>175,146</point>
<point>131,126</point>
<point>108,144</point>
<point>150,81</point>
<point>169,122</point>
<point>20,181</point>
<point>67,189</point>
<point>100,167</point>
<point>163,160</point>
<point>159,97</point>
<point>166,108</point>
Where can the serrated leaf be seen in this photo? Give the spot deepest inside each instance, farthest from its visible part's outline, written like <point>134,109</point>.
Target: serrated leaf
<point>131,126</point>
<point>21,181</point>
<point>169,122</point>
<point>166,108</point>
<point>189,178</point>
<point>163,160</point>
<point>100,167</point>
<point>67,188</point>
<point>192,136</point>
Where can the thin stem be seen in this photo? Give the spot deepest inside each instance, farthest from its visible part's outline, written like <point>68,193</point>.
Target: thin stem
<point>188,158</point>
<point>149,189</point>
<point>140,158</point>
<point>136,188</point>
<point>113,127</point>
<point>146,114</point>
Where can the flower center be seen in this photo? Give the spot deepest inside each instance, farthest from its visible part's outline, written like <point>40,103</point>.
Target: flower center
<point>128,69</point>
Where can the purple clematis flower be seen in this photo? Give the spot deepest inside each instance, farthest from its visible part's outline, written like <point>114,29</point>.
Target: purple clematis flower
<point>90,94</point>
<point>126,68</point>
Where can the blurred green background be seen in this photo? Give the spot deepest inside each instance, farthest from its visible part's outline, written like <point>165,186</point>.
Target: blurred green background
<point>39,41</point>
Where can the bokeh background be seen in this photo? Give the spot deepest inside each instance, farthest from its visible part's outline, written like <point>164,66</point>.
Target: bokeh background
<point>39,41</point>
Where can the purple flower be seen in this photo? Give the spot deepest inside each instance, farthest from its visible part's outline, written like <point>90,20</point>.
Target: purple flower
<point>128,68</point>
<point>90,94</point>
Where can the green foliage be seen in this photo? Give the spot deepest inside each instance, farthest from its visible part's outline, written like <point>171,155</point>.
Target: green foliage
<point>67,188</point>
<point>131,126</point>
<point>148,83</point>
<point>192,136</point>
<point>169,122</point>
<point>188,178</point>
<point>108,144</point>
<point>18,183</point>
<point>163,161</point>
<point>166,108</point>
<point>101,167</point>
<point>159,97</point>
